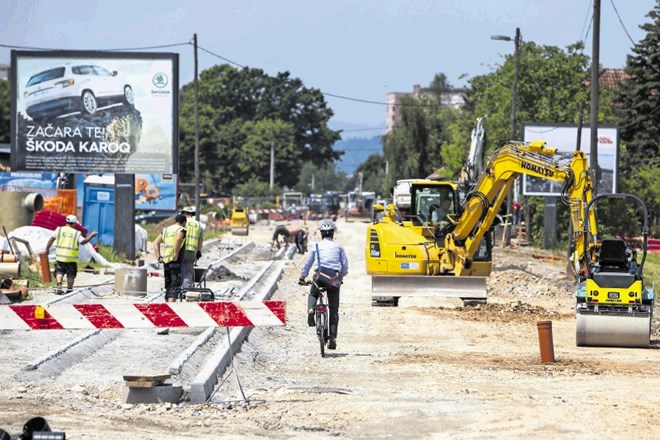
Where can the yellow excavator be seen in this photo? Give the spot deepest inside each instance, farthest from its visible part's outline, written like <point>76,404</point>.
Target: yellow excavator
<point>419,254</point>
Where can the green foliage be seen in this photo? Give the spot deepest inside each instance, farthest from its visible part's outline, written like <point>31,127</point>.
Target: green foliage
<point>652,269</point>
<point>639,119</point>
<point>5,117</point>
<point>109,254</point>
<point>412,149</point>
<point>551,84</point>
<point>325,178</point>
<point>374,177</point>
<point>256,188</point>
<point>645,184</point>
<point>242,113</point>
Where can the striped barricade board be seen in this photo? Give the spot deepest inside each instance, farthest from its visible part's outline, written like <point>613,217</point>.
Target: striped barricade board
<point>152,315</point>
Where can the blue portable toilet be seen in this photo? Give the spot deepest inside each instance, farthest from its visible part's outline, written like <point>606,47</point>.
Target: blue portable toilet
<point>99,207</point>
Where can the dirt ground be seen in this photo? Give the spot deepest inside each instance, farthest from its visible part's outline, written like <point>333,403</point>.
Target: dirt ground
<point>424,370</point>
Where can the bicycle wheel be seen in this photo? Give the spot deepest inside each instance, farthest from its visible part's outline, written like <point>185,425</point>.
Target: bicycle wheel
<point>320,330</point>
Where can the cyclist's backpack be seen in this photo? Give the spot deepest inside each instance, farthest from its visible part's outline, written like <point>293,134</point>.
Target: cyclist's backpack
<point>326,276</point>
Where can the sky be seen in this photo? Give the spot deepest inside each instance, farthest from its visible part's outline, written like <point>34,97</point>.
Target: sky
<point>358,49</point>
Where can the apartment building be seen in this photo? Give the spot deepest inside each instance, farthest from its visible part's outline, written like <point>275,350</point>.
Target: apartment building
<point>453,97</point>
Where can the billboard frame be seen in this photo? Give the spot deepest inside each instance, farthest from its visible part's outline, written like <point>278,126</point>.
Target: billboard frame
<point>546,127</point>
<point>97,55</point>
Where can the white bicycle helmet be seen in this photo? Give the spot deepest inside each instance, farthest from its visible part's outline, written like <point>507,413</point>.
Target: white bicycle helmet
<point>327,225</point>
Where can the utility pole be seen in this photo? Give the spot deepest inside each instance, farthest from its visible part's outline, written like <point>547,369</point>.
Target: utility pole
<point>272,165</point>
<point>595,74</point>
<point>196,132</point>
<point>514,99</point>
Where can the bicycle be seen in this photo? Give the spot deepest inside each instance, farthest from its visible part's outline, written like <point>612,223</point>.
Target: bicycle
<point>322,317</point>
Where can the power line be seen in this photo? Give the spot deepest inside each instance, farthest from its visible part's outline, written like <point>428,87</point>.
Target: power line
<point>621,21</point>
<point>641,118</point>
<point>162,46</point>
<point>363,129</point>
<point>220,56</point>
<point>628,34</point>
<point>586,20</point>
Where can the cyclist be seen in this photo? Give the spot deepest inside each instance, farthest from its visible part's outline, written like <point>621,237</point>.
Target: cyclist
<point>331,255</point>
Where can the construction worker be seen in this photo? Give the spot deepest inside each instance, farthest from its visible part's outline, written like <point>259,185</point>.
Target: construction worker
<point>298,235</point>
<point>192,247</point>
<point>284,232</point>
<point>172,238</point>
<point>67,241</point>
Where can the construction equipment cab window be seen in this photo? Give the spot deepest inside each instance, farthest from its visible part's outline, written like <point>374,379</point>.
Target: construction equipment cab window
<point>434,204</point>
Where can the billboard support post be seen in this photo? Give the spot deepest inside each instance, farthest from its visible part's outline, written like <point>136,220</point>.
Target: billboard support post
<point>124,237</point>
<point>196,133</point>
<point>550,223</point>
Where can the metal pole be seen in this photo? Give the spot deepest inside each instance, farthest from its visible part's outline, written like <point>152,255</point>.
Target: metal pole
<point>595,74</point>
<point>578,143</point>
<point>514,98</point>
<point>272,165</point>
<point>196,132</point>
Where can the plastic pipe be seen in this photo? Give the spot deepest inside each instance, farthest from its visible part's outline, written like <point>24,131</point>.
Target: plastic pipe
<point>545,341</point>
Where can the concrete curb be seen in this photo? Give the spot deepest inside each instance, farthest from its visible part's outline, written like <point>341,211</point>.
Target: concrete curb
<point>203,384</point>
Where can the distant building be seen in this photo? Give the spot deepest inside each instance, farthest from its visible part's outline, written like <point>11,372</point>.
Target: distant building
<point>453,97</point>
<point>4,71</point>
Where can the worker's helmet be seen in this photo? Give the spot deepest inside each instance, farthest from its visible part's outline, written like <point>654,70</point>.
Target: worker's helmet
<point>188,209</point>
<point>72,219</point>
<point>327,225</point>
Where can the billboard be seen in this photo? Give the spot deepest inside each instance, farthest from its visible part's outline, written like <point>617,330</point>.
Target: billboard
<point>94,112</point>
<point>155,192</point>
<point>10,181</point>
<point>564,137</point>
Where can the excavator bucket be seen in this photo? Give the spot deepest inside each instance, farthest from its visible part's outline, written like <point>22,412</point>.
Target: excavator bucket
<point>613,330</point>
<point>387,289</point>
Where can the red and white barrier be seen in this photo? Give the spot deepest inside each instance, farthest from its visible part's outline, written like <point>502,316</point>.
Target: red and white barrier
<point>158,315</point>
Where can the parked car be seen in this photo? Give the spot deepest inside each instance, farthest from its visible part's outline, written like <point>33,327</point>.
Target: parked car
<point>74,88</point>
<point>153,217</point>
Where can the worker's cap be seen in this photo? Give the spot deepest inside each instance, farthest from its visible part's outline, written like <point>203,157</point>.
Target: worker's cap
<point>71,219</point>
<point>188,210</point>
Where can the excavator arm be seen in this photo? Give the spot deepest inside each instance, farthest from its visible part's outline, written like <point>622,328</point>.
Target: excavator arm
<point>484,202</point>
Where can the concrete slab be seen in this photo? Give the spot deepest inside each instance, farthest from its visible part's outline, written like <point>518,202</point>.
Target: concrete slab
<point>158,394</point>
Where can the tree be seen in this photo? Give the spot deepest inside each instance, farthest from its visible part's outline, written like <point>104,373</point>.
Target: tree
<point>373,170</point>
<point>640,119</point>
<point>412,148</point>
<point>439,85</point>
<point>325,178</point>
<point>551,84</point>
<point>5,117</point>
<point>241,114</point>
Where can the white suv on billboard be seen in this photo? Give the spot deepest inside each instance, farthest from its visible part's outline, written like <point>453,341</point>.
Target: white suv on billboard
<point>74,88</point>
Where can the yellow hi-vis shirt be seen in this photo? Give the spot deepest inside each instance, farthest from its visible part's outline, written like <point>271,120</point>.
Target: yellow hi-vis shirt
<point>193,234</point>
<point>66,244</point>
<point>169,238</point>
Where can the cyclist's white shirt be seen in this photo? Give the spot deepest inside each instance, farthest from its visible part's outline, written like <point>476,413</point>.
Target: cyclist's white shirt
<point>331,254</point>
